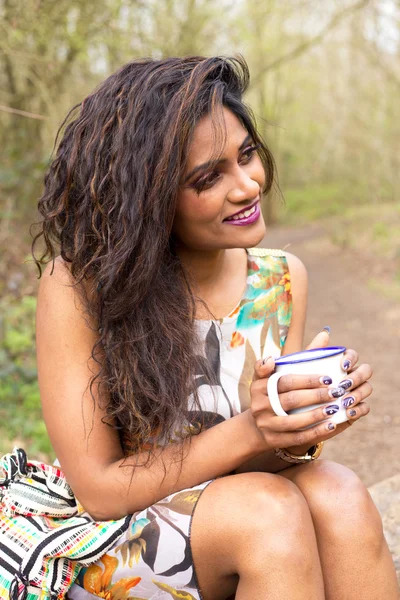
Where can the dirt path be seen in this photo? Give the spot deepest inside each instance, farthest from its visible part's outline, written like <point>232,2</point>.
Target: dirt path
<point>363,319</point>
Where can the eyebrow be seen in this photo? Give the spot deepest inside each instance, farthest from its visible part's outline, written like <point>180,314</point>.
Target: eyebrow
<point>212,163</point>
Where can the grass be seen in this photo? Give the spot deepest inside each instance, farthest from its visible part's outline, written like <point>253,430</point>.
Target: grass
<point>370,229</point>
<point>313,202</point>
<point>21,422</point>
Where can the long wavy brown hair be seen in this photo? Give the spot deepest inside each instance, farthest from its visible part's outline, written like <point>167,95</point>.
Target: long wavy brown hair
<point>108,208</point>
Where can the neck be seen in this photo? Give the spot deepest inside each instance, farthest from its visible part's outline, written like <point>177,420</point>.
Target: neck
<point>204,267</point>
<point>216,278</point>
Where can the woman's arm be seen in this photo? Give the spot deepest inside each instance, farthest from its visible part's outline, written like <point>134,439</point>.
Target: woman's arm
<point>267,461</point>
<point>299,288</point>
<point>261,408</point>
<point>89,451</point>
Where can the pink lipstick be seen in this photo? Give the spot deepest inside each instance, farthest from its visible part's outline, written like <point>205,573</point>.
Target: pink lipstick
<point>246,217</point>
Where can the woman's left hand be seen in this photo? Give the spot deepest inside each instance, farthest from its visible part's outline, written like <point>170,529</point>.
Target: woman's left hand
<point>356,389</point>
<point>356,383</point>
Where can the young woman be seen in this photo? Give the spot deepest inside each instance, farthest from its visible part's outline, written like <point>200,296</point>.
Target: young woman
<point>157,325</point>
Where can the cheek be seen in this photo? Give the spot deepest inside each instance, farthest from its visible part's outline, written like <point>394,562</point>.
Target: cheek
<point>197,210</point>
<point>197,219</point>
<point>259,173</point>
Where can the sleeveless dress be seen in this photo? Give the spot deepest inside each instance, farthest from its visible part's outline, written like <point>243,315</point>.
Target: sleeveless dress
<point>153,559</point>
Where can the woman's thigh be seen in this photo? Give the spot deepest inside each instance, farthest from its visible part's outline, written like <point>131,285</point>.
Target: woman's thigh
<point>152,558</point>
<point>245,522</point>
<point>209,535</point>
<point>339,502</point>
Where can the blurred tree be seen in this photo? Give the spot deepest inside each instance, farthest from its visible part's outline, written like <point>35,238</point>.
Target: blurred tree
<point>41,44</point>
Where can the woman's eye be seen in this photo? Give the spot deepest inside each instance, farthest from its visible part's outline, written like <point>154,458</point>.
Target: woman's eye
<point>248,152</point>
<point>206,182</point>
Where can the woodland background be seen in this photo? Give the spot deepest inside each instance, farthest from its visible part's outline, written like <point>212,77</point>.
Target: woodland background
<point>325,90</point>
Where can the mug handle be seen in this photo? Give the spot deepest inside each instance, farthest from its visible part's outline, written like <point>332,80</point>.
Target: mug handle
<point>272,389</point>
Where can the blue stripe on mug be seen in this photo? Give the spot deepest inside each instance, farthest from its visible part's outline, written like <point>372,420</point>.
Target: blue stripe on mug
<point>308,355</point>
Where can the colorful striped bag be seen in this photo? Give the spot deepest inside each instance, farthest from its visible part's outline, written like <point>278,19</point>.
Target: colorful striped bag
<point>45,537</point>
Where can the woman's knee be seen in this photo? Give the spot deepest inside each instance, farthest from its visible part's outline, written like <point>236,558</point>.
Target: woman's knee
<point>252,507</point>
<point>243,523</point>
<point>341,503</point>
<point>252,493</point>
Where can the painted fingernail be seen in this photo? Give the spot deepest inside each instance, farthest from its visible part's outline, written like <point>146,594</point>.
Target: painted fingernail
<point>352,412</point>
<point>348,401</point>
<point>331,426</point>
<point>331,409</point>
<point>325,380</point>
<point>346,364</point>
<point>337,392</point>
<point>346,384</point>
<point>327,329</point>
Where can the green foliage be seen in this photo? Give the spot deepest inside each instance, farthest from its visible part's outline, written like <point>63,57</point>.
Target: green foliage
<point>20,413</point>
<point>313,202</point>
<point>380,231</point>
<point>373,229</point>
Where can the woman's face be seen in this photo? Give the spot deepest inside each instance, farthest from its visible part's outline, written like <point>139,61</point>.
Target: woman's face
<point>219,204</point>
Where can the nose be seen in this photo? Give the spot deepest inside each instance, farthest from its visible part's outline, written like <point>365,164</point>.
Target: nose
<point>244,187</point>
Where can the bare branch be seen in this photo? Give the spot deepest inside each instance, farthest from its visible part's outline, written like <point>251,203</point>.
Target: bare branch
<point>304,46</point>
<point>22,113</point>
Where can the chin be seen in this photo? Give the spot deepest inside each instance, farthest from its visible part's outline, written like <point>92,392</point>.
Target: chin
<point>251,237</point>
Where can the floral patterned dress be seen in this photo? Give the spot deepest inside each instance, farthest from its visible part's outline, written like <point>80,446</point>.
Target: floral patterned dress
<point>153,559</point>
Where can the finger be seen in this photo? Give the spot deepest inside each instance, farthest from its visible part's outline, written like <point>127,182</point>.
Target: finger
<point>263,368</point>
<point>350,359</point>
<point>303,398</point>
<point>321,432</point>
<point>291,382</point>
<point>357,396</point>
<point>355,413</point>
<point>306,419</point>
<point>306,437</point>
<point>343,426</point>
<point>321,340</point>
<point>363,410</point>
<point>356,377</point>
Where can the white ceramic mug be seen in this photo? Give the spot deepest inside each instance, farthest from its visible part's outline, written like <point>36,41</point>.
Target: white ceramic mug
<point>319,361</point>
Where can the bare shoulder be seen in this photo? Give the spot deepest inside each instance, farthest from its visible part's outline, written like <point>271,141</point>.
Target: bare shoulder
<point>298,274</point>
<point>64,327</point>
<point>65,332</point>
<point>60,269</point>
<point>299,286</point>
<point>58,295</point>
<point>296,267</point>
<point>56,278</point>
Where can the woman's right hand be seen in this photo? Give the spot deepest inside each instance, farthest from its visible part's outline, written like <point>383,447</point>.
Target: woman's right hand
<point>294,391</point>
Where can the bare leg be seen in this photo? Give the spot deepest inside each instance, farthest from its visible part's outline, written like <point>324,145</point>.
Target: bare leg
<point>253,534</point>
<point>355,559</point>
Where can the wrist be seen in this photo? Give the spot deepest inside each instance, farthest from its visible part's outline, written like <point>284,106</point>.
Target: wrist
<point>255,436</point>
<point>299,450</point>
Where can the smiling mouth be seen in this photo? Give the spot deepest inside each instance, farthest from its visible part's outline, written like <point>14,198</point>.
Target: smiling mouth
<point>243,214</point>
